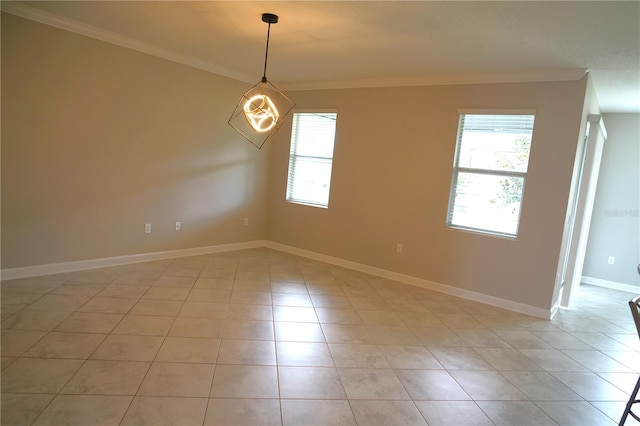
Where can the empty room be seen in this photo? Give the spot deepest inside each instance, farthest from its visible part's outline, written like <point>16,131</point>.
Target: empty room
<point>320,213</point>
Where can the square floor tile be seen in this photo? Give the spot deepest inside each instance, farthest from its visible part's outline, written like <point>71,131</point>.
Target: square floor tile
<point>515,413</point>
<point>250,352</point>
<point>107,378</point>
<point>294,314</point>
<point>459,358</point>
<point>481,338</point>
<point>387,413</point>
<point>317,413</point>
<point>410,357</point>
<point>209,295</point>
<point>188,349</point>
<point>157,307</point>
<point>245,381</point>
<point>438,337</point>
<point>66,345</point>
<point>16,342</point>
<point>487,385</point>
<point>128,348</point>
<point>330,301</point>
<point>251,298</point>
<point>250,312</point>
<point>204,310</point>
<point>144,325</point>
<point>242,412</point>
<point>177,379</point>
<point>445,413</point>
<point>507,359</point>
<point>358,356</point>
<point>174,281</point>
<point>84,410</point>
<point>58,302</point>
<point>298,332</point>
<point>540,386</point>
<point>388,318</point>
<point>197,327</point>
<point>38,375</point>
<point>28,319</point>
<point>250,330</point>
<point>23,409</point>
<point>431,385</point>
<point>338,316</point>
<point>78,289</point>
<point>303,354</point>
<point>287,299</point>
<point>372,384</point>
<point>552,360</point>
<point>597,361</point>
<point>214,284</point>
<point>574,413</point>
<point>590,386</point>
<point>157,411</point>
<point>89,322</point>
<point>522,339</point>
<point>167,293</point>
<point>109,305</point>
<point>123,291</point>
<point>134,280</point>
<point>310,383</point>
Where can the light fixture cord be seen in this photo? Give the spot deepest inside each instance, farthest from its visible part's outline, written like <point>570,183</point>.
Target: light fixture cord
<point>266,55</point>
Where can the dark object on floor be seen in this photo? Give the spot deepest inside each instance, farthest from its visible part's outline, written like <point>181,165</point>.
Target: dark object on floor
<point>634,304</point>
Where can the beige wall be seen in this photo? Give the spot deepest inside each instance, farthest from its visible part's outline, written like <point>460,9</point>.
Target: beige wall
<point>98,140</point>
<point>391,177</point>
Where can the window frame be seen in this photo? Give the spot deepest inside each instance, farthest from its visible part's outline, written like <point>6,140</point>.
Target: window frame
<point>293,156</point>
<point>457,169</point>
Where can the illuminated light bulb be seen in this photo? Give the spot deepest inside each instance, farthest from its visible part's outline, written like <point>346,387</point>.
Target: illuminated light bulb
<point>261,113</point>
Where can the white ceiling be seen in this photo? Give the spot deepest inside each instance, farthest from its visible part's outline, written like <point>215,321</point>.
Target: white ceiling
<point>326,44</point>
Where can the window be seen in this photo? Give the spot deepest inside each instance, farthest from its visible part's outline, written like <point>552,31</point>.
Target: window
<point>311,157</point>
<point>489,172</point>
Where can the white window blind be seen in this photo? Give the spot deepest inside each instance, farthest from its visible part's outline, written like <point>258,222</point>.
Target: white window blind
<point>311,158</point>
<point>489,172</point>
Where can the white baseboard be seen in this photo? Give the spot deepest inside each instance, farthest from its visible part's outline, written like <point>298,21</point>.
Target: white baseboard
<point>418,282</point>
<point>610,284</point>
<point>57,268</point>
<point>80,265</point>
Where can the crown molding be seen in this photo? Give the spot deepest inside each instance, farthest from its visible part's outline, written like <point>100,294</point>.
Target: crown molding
<point>57,21</point>
<point>569,74</point>
<point>47,18</point>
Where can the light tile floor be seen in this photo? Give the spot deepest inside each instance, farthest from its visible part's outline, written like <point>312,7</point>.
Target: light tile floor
<point>263,337</point>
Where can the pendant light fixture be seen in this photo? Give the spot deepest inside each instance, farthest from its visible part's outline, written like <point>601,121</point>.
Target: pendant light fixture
<point>262,109</point>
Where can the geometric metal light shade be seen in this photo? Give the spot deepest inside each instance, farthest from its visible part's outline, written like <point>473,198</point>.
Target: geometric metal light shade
<point>260,113</point>
<point>263,108</point>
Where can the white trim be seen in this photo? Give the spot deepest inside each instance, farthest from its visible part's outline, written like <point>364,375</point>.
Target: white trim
<point>57,21</point>
<point>610,284</point>
<point>418,282</point>
<point>80,265</point>
<point>58,268</point>
<point>569,74</point>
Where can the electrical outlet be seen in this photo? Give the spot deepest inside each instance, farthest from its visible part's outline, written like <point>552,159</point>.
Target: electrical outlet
<point>147,228</point>
<point>178,226</point>
<point>611,260</point>
<point>246,221</point>
<point>399,248</point>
